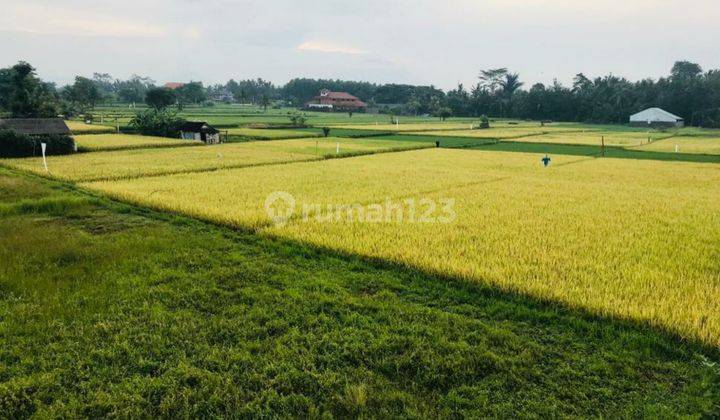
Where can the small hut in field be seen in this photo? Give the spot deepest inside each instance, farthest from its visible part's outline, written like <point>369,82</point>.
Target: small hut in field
<point>199,130</point>
<point>656,118</point>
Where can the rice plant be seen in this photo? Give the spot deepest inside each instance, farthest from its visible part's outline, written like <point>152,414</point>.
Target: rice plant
<point>625,238</point>
<point>97,142</point>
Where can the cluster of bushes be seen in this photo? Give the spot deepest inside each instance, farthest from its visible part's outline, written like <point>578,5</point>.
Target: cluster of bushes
<point>484,122</point>
<point>154,122</point>
<point>269,126</point>
<point>14,144</point>
<point>298,120</point>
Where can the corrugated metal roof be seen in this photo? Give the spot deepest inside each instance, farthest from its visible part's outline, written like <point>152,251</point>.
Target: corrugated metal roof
<point>655,115</point>
<point>35,126</point>
<point>198,127</point>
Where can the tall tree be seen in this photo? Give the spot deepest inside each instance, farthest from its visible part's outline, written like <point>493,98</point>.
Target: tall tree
<point>191,93</point>
<point>685,70</point>
<point>508,86</point>
<point>106,83</point>
<point>24,95</point>
<point>264,101</point>
<point>458,100</point>
<point>491,79</point>
<point>252,90</point>
<point>134,89</point>
<point>160,98</point>
<point>84,92</point>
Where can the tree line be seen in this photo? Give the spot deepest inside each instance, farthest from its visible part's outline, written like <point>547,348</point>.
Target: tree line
<point>687,91</point>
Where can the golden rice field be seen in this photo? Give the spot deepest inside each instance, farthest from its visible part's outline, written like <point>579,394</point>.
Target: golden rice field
<point>596,234</point>
<point>519,124</point>
<point>435,126</point>
<point>698,131</point>
<point>332,146</point>
<point>612,138</point>
<point>270,134</point>
<point>703,145</point>
<point>144,162</point>
<point>509,132</point>
<point>97,142</point>
<point>161,161</point>
<point>78,127</point>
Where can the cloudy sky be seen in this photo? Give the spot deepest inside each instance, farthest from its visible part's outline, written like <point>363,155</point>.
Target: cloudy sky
<point>440,42</point>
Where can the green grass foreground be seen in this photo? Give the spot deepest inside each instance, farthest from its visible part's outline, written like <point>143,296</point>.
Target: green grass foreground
<point>112,310</point>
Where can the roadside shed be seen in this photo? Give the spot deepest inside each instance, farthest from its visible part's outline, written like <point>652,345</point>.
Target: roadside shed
<point>656,117</point>
<point>199,130</point>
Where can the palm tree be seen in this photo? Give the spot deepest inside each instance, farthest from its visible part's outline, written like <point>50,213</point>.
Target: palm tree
<point>490,79</point>
<point>508,87</point>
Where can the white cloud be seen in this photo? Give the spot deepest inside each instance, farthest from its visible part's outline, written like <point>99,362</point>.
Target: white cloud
<point>329,47</point>
<point>402,41</point>
<point>55,21</point>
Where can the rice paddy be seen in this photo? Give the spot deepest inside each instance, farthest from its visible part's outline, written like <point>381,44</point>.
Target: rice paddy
<point>500,132</point>
<point>269,134</point>
<point>98,142</point>
<point>596,138</point>
<point>147,162</point>
<point>409,127</point>
<point>114,310</point>
<point>642,246</point>
<point>686,144</point>
<point>339,146</point>
<point>161,161</point>
<point>78,127</point>
<point>460,280</point>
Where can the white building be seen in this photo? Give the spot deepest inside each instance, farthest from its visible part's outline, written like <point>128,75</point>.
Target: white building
<point>656,117</point>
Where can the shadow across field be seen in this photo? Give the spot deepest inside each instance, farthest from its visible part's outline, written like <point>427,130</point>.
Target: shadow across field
<point>163,315</point>
<point>582,150</point>
<point>553,148</point>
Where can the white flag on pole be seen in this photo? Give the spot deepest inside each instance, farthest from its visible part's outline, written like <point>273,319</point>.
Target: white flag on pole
<point>43,146</point>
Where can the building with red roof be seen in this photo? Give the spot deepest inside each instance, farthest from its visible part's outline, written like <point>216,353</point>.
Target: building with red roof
<point>335,101</point>
<point>173,85</point>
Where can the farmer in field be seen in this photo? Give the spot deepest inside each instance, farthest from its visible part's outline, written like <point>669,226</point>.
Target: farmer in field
<point>546,161</point>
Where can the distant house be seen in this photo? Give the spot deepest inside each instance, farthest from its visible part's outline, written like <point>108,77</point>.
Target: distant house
<point>199,130</point>
<point>335,101</point>
<point>656,117</point>
<point>36,126</point>
<point>223,95</point>
<point>173,85</point>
